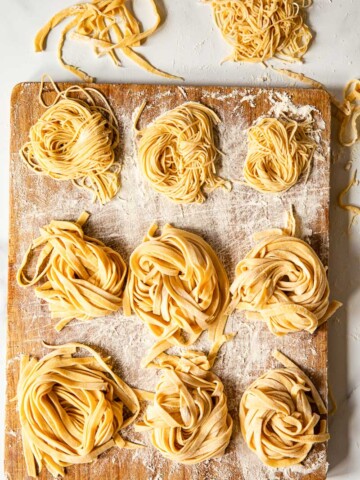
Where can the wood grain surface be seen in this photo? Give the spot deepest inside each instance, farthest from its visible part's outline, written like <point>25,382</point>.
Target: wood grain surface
<point>226,220</point>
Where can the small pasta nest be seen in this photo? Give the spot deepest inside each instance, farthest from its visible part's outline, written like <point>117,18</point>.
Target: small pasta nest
<point>177,153</point>
<point>280,415</point>
<point>84,278</point>
<point>259,30</point>
<point>178,287</point>
<point>279,152</point>
<point>71,409</point>
<point>188,420</point>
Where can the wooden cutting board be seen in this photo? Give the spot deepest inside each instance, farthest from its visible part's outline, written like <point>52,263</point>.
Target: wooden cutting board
<point>225,220</point>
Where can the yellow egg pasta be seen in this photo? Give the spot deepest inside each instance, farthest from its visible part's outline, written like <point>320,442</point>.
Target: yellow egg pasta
<point>83,277</point>
<point>259,30</point>
<point>177,153</point>
<point>279,151</point>
<point>281,415</point>
<point>75,139</point>
<point>178,287</point>
<point>188,418</point>
<point>71,409</point>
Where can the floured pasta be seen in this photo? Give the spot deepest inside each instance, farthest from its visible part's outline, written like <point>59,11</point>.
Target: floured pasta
<point>283,282</point>
<point>259,30</point>
<point>178,287</point>
<point>279,151</point>
<point>83,277</point>
<point>281,415</point>
<point>177,153</point>
<point>75,139</point>
<point>71,409</point>
<point>188,419</point>
<point>109,26</point>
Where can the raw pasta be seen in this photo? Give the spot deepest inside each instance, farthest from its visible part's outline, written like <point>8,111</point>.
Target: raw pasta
<point>279,151</point>
<point>280,415</point>
<point>188,420</point>
<point>178,287</point>
<point>282,281</point>
<point>71,409</point>
<point>177,153</point>
<point>97,22</point>
<point>75,139</point>
<point>84,278</point>
<point>259,30</point>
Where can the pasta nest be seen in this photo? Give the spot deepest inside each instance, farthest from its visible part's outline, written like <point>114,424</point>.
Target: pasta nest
<point>178,287</point>
<point>280,416</point>
<point>188,420</point>
<point>84,278</point>
<point>75,140</point>
<point>71,409</point>
<point>279,151</point>
<point>177,153</point>
<point>283,282</point>
<point>259,30</point>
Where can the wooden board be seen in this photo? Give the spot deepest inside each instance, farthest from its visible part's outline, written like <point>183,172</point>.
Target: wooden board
<point>226,220</point>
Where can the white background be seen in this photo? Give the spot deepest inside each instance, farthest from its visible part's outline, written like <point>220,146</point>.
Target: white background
<point>189,45</point>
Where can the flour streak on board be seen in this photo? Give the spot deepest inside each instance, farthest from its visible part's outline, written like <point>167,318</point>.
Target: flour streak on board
<point>226,220</point>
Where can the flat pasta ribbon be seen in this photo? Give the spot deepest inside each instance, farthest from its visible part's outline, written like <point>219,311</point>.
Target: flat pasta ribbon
<point>283,282</point>
<point>280,415</point>
<point>177,153</point>
<point>188,420</point>
<point>279,151</point>
<point>259,30</point>
<point>84,278</point>
<point>178,287</point>
<point>75,139</point>
<point>71,409</point>
<point>98,22</point>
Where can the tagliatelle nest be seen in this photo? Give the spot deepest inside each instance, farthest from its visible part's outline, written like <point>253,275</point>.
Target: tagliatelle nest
<point>280,415</point>
<point>188,419</point>
<point>259,30</point>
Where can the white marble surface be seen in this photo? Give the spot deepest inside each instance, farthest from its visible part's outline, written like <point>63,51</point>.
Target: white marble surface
<point>188,44</point>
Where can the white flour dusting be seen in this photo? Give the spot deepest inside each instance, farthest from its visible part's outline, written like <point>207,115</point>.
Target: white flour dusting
<point>227,221</point>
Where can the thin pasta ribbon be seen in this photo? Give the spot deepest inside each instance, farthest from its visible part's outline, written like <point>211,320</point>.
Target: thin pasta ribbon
<point>279,151</point>
<point>349,130</point>
<point>75,139</point>
<point>188,419</point>
<point>178,287</point>
<point>259,30</point>
<point>98,22</point>
<point>282,415</point>
<point>83,277</point>
<point>71,409</point>
<point>177,153</point>
<point>282,282</point>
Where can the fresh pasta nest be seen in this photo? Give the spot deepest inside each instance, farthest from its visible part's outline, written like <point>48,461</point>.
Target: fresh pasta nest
<point>279,151</point>
<point>178,287</point>
<point>84,278</point>
<point>280,415</point>
<point>283,282</point>
<point>177,153</point>
<point>188,420</point>
<point>259,30</point>
<point>71,409</point>
<point>75,139</point>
